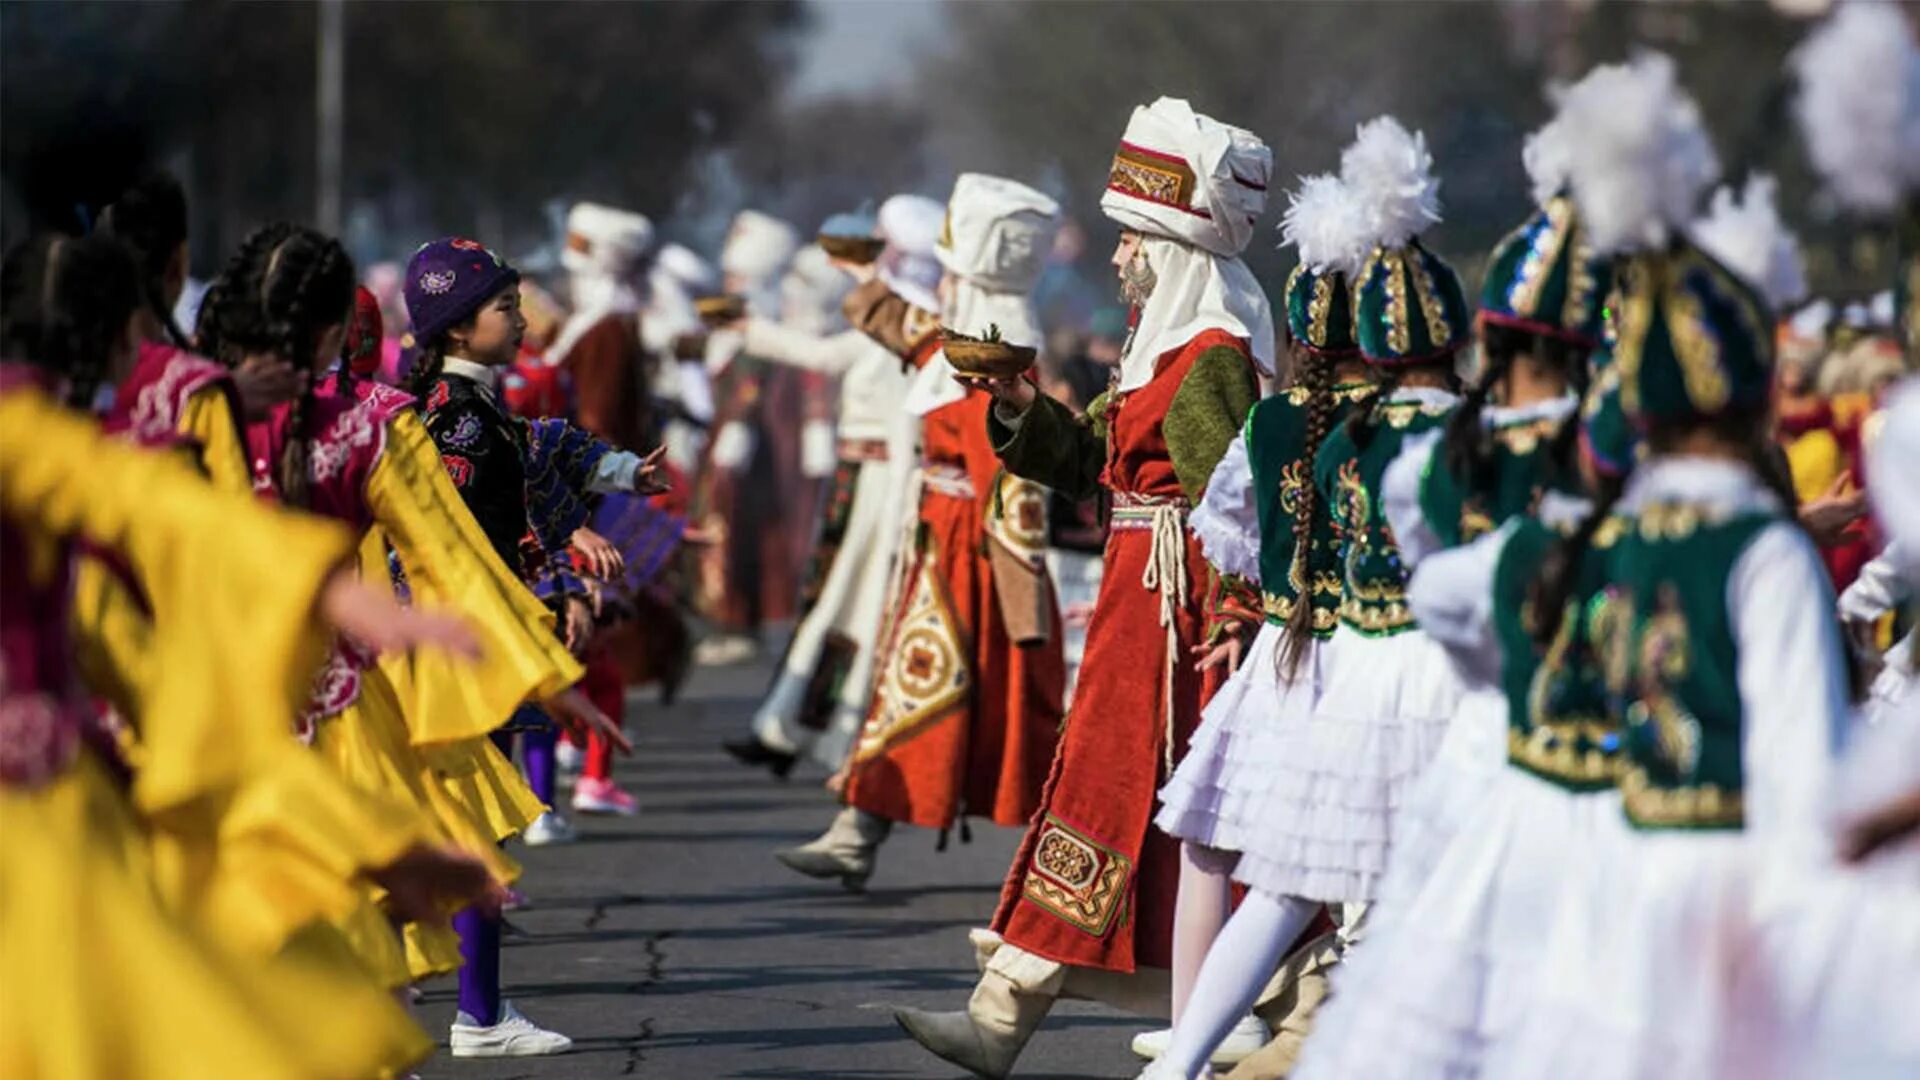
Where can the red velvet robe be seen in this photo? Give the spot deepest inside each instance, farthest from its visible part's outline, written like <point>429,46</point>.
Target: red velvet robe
<point>1093,883</point>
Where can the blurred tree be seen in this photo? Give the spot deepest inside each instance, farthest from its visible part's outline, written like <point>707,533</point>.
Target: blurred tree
<point>460,117</point>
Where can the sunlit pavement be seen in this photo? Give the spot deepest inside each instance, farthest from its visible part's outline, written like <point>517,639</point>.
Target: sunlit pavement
<point>673,945</point>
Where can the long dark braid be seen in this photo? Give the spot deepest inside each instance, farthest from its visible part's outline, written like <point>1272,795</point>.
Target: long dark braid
<point>64,307</point>
<point>1362,423</point>
<point>1467,449</point>
<point>277,297</point>
<point>427,367</point>
<point>1316,376</point>
<point>151,219</point>
<point>1559,572</point>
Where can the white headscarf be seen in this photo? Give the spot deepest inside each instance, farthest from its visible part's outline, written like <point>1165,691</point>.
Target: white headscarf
<point>1194,187</point>
<point>757,249</point>
<point>810,293</point>
<point>910,224</point>
<point>603,253</point>
<point>995,244</point>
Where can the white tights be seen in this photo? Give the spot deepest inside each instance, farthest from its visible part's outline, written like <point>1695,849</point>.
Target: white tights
<point>1205,898</point>
<point>1244,956</point>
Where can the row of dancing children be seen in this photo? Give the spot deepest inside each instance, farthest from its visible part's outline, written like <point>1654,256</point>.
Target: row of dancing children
<point>408,734</point>
<point>1569,707</point>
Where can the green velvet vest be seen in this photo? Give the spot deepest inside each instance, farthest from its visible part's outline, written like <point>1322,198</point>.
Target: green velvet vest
<point>1459,509</point>
<point>1373,585</point>
<point>1672,668</point>
<point>1276,438</point>
<point>1560,724</point>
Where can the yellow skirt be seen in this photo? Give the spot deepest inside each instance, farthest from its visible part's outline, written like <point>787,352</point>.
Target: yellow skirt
<point>369,746</point>
<point>96,981</point>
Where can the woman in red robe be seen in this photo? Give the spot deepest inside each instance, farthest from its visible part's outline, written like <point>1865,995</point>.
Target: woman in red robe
<point>970,677</point>
<point>1090,896</point>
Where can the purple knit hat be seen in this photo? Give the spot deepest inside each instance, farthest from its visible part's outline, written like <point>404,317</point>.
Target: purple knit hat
<point>448,280</point>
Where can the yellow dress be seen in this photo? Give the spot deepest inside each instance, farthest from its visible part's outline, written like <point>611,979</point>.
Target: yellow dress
<point>254,838</point>
<point>97,980</point>
<point>419,727</point>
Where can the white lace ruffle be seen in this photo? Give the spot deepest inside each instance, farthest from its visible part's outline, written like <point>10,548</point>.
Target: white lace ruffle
<point>1327,823</point>
<point>1215,794</point>
<point>1227,522</point>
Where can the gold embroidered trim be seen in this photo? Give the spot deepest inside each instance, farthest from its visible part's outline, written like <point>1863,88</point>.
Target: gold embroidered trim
<point>1551,752</point>
<point>1150,176</point>
<point>1439,330</point>
<point>1280,609</point>
<point>1399,315</point>
<point>1707,806</point>
<point>1319,309</point>
<point>1076,878</point>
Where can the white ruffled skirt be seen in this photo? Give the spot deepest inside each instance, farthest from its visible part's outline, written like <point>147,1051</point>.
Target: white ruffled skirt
<point>1707,955</point>
<point>1454,966</point>
<point>1471,760</point>
<point>1327,822</point>
<point>1215,794</point>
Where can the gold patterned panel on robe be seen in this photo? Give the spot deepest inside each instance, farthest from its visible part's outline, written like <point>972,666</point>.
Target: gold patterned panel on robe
<point>927,673</point>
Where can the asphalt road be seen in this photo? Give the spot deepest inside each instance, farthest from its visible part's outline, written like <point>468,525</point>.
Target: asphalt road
<point>673,945</point>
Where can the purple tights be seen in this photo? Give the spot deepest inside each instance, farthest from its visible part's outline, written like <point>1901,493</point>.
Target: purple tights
<point>480,975</point>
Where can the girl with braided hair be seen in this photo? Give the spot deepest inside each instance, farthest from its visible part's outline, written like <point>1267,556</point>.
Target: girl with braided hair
<point>1263,521</point>
<point>1339,770</point>
<point>1508,446</point>
<point>414,729</point>
<point>144,989</point>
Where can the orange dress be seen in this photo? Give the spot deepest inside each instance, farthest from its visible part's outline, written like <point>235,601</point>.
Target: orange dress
<point>970,681</point>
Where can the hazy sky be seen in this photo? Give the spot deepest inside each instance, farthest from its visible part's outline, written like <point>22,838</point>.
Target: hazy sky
<point>862,44</point>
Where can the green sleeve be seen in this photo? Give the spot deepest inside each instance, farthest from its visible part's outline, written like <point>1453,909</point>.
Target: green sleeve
<point>1052,447</point>
<point>1207,411</point>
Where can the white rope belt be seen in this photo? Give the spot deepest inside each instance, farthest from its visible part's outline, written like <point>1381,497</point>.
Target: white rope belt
<point>1165,574</point>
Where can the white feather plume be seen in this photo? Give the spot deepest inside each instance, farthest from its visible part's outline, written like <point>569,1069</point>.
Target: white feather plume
<point>1747,235</point>
<point>1639,157</point>
<point>1859,104</point>
<point>1391,176</point>
<point>1548,156</point>
<point>1327,224</point>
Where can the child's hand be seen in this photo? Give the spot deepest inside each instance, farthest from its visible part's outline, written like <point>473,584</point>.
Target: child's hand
<point>1227,652</point>
<point>649,479</point>
<point>571,708</point>
<point>374,618</point>
<point>602,559</point>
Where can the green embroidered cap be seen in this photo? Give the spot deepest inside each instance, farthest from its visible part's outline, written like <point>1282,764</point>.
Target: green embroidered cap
<point>1409,306</point>
<point>1694,339</point>
<point>1545,278</point>
<point>1320,310</point>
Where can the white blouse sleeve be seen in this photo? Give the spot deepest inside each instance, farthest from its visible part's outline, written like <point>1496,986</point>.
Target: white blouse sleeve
<point>1893,470</point>
<point>1793,694</point>
<point>1227,522</point>
<point>1400,498</point>
<point>1878,589</point>
<point>1451,593</point>
<point>782,344</point>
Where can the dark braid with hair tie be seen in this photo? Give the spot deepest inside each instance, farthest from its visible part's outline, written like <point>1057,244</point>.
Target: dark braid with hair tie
<point>1318,380</point>
<point>64,307</point>
<point>151,218</point>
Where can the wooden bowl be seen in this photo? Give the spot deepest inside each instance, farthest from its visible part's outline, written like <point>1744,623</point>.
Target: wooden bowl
<point>986,359</point>
<point>859,250</point>
<point>720,310</point>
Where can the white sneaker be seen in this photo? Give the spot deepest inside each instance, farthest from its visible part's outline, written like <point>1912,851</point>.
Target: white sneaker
<point>549,828</point>
<point>513,1036</point>
<point>570,758</point>
<point>726,651</point>
<point>1248,1035</point>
